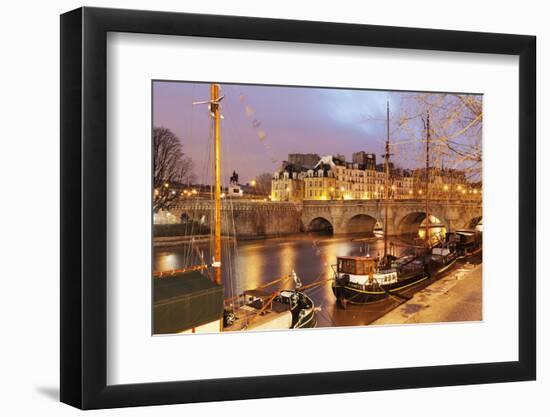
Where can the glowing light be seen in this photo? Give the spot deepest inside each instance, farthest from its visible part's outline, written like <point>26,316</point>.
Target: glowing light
<point>253,183</point>
<point>446,188</point>
<point>287,189</point>
<point>410,191</point>
<point>223,195</point>
<point>166,184</point>
<point>419,191</point>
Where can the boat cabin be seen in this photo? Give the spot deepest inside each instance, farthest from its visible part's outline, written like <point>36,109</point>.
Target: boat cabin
<point>355,265</point>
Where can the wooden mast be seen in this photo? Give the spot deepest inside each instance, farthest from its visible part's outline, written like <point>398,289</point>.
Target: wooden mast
<point>427,233</point>
<point>387,180</point>
<point>215,112</point>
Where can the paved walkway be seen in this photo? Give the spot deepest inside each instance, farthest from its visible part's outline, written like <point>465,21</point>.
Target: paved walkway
<point>456,297</point>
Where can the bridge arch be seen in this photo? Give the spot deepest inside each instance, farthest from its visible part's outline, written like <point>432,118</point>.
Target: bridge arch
<point>361,223</point>
<point>320,225</point>
<point>414,223</point>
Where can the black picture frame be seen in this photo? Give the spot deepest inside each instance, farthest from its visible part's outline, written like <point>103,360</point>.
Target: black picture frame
<point>84,207</point>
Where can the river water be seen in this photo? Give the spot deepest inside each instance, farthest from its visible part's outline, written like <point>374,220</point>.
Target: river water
<point>250,264</point>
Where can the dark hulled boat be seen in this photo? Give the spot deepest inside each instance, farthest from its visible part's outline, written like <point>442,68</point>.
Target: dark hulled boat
<point>360,279</point>
<point>468,241</point>
<point>442,257</point>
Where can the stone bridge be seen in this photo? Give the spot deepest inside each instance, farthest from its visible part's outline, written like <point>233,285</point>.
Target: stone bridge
<point>259,218</point>
<point>404,216</point>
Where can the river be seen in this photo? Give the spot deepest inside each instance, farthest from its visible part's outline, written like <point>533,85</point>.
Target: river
<point>249,264</point>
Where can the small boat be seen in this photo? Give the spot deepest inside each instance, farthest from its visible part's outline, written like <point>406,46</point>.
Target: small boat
<point>468,241</point>
<point>286,309</point>
<point>362,279</point>
<point>442,257</point>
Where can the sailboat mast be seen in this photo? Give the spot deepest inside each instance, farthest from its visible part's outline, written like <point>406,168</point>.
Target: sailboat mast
<point>427,234</point>
<point>215,112</point>
<point>387,179</point>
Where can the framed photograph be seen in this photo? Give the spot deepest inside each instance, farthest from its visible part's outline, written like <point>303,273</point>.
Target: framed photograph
<point>258,208</point>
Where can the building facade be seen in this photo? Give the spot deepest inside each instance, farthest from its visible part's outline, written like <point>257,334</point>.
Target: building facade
<point>332,178</point>
<point>287,183</point>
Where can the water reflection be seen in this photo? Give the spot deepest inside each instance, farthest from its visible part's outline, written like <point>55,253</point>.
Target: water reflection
<point>249,264</point>
<point>165,261</point>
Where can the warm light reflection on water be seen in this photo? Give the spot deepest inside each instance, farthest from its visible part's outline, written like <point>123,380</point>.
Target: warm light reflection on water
<point>249,264</point>
<point>165,261</point>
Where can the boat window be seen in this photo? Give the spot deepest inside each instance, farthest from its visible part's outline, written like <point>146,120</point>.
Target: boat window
<point>346,266</point>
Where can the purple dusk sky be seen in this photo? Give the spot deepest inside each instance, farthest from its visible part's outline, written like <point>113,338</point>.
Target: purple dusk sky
<point>263,124</point>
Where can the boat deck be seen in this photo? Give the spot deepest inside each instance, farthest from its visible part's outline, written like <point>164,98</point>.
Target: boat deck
<point>277,316</point>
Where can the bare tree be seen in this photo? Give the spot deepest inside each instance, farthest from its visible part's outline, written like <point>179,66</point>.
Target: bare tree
<point>263,184</point>
<point>171,168</point>
<point>456,125</point>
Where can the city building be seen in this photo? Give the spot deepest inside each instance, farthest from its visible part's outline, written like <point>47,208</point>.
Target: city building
<point>287,183</point>
<point>364,159</point>
<point>332,178</point>
<point>445,183</point>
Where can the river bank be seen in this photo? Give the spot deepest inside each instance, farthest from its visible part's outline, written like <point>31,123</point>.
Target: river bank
<point>454,298</point>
